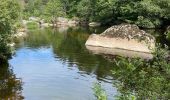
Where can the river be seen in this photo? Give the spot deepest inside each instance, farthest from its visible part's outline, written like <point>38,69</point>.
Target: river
<point>54,64</point>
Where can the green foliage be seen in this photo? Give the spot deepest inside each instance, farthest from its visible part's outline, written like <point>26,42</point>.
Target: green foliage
<point>99,92</point>
<point>144,22</point>
<point>19,25</point>
<point>32,25</point>
<point>168,35</point>
<point>9,12</point>
<point>84,9</point>
<point>5,50</point>
<point>143,79</point>
<point>139,79</point>
<point>34,8</point>
<point>144,13</point>
<point>54,9</point>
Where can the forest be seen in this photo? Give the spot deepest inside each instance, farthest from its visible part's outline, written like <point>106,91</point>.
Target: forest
<point>144,13</point>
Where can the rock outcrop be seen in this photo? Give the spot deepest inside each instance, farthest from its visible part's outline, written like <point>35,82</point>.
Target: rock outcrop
<point>124,36</point>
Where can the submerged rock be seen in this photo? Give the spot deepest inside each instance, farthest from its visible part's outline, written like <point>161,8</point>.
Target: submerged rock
<point>124,36</point>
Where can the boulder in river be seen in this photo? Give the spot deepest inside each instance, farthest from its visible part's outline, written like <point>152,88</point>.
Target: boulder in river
<point>124,36</point>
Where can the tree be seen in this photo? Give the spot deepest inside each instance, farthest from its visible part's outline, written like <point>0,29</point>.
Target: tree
<point>84,9</point>
<point>34,7</point>
<point>104,11</point>
<point>9,12</point>
<point>139,79</point>
<point>144,13</point>
<point>54,9</point>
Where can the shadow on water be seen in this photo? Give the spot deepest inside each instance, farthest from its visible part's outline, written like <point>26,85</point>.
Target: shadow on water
<point>10,86</point>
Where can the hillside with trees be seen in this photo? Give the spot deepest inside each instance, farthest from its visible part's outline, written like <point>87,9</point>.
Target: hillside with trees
<point>144,13</point>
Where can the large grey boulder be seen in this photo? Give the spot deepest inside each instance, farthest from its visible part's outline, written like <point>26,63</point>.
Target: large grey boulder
<point>124,36</point>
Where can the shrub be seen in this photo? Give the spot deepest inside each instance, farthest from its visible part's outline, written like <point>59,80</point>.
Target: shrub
<point>99,92</point>
<point>145,22</point>
<point>143,79</point>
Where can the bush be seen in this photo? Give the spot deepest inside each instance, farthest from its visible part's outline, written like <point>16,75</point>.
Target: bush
<point>168,35</point>
<point>143,79</point>
<point>9,13</point>
<point>144,22</point>
<point>5,49</point>
<point>19,25</point>
<point>99,92</point>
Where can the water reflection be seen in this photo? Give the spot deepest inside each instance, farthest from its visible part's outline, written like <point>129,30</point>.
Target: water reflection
<point>69,47</point>
<point>56,63</point>
<point>10,86</point>
<point>120,52</point>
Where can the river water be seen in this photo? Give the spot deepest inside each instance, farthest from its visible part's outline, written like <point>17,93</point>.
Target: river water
<point>54,64</point>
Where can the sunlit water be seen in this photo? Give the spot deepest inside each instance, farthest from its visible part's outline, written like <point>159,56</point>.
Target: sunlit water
<point>55,65</point>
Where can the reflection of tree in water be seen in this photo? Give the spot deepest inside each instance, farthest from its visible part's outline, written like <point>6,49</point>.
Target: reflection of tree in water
<point>10,86</point>
<point>71,48</point>
<point>38,38</point>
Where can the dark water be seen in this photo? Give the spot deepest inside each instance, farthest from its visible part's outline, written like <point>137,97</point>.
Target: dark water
<point>54,64</point>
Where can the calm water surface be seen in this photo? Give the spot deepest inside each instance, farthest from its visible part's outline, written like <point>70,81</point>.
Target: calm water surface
<point>55,65</point>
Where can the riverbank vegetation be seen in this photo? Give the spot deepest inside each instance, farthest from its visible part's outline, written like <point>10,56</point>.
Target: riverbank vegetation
<point>138,79</point>
<point>108,12</point>
<point>32,25</point>
<point>144,13</point>
<point>9,13</point>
